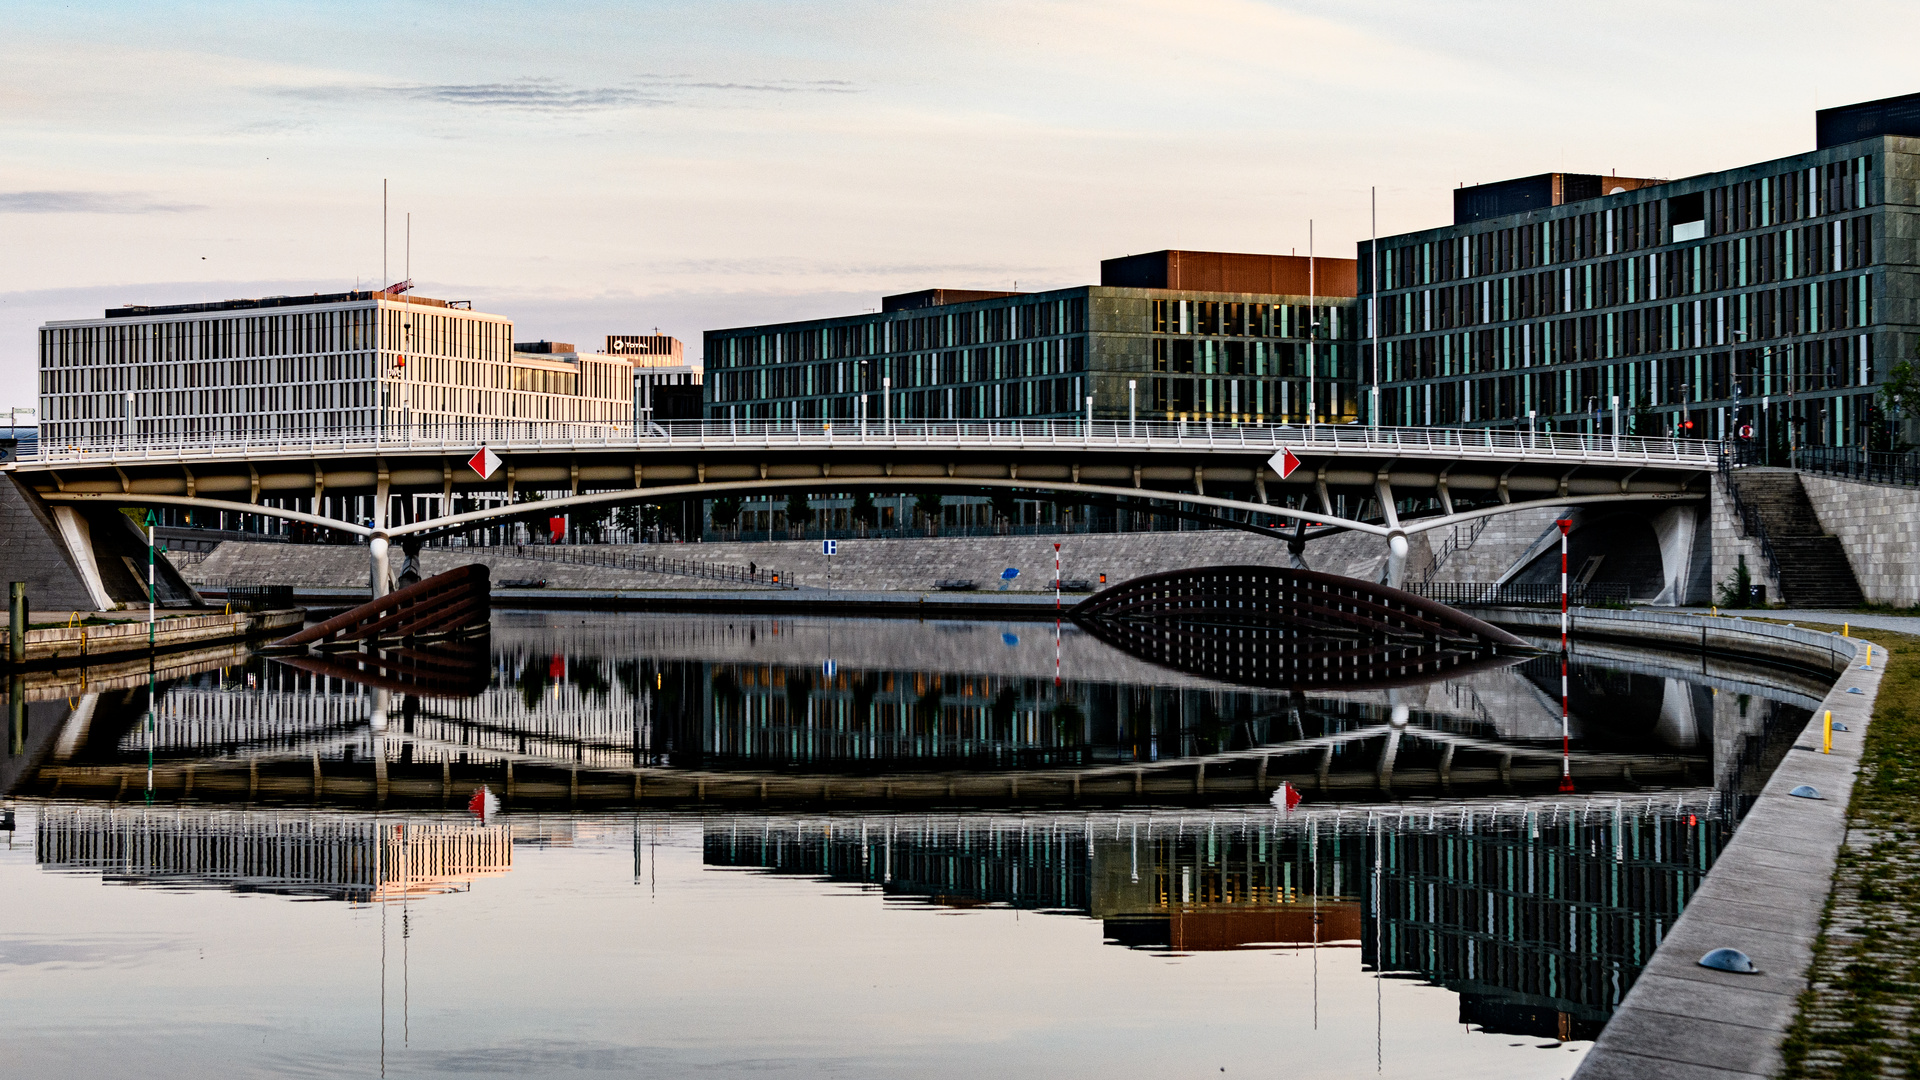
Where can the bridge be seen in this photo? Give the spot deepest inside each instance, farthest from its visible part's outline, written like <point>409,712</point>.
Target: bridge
<point>1350,477</point>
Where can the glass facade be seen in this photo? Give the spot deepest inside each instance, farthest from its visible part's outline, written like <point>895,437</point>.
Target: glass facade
<point>1765,302</point>
<point>1221,357</point>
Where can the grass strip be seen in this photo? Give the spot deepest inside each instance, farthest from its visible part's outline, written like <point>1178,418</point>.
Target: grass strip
<point>1860,1014</point>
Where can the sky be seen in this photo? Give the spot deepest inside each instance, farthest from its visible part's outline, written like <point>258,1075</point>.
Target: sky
<point>589,169</point>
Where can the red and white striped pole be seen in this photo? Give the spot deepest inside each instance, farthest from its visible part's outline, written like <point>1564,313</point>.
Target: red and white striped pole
<point>1056,617</point>
<point>1056,579</point>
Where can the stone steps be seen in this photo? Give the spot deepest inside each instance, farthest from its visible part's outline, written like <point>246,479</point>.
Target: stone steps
<point>1814,571</point>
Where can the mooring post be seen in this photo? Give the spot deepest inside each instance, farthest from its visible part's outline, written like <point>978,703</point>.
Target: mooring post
<point>17,622</point>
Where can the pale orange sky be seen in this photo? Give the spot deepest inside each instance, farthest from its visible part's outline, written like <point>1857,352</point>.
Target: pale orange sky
<point>595,169</point>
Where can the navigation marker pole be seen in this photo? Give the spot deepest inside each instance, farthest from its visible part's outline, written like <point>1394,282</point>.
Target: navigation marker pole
<point>1566,755</point>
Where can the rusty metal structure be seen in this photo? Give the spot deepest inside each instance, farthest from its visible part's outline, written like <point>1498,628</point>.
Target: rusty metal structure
<point>1296,629</point>
<point>450,605</point>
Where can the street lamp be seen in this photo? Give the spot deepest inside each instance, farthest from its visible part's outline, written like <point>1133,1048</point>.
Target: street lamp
<point>1133,406</point>
<point>861,367</point>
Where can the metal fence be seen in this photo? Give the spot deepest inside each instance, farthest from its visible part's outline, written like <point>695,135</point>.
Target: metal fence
<point>253,596</point>
<point>466,437</point>
<point>1854,463</point>
<point>574,555</point>
<point>1460,593</point>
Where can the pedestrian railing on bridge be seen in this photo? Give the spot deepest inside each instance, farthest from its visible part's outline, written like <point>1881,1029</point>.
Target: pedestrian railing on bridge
<point>510,436</point>
<point>572,555</point>
<point>1460,593</point>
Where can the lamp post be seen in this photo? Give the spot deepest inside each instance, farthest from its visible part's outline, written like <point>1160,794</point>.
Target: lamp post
<point>886,404</point>
<point>862,369</point>
<point>1133,406</point>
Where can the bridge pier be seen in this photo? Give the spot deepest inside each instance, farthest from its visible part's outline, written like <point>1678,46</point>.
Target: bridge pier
<point>379,570</point>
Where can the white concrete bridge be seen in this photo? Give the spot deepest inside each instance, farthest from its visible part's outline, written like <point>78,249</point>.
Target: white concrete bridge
<point>1452,475</point>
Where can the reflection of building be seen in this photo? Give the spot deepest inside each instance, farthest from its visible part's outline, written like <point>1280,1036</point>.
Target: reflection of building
<point>338,856</point>
<point>1173,335</point>
<point>299,364</point>
<point>1542,924</point>
<point>1539,914</point>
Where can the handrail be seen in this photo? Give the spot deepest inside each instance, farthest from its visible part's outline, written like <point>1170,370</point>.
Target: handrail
<point>514,436</point>
<point>1751,527</point>
<point>655,564</point>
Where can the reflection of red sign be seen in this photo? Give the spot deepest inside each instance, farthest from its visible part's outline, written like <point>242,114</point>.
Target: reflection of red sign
<point>557,668</point>
<point>557,528</point>
<point>1287,797</point>
<point>483,804</point>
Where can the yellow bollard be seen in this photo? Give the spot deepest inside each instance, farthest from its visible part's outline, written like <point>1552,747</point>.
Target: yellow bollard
<point>1869,654</point>
<point>1827,744</point>
<point>1845,629</point>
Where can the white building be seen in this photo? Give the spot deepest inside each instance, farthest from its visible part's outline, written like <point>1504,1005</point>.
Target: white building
<point>309,365</point>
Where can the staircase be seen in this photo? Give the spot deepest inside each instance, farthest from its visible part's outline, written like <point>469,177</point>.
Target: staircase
<point>1814,572</point>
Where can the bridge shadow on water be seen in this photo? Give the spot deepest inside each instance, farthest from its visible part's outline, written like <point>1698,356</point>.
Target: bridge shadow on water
<point>1132,787</point>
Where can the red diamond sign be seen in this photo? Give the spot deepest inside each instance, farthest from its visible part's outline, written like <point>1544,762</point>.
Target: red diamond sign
<point>1283,463</point>
<point>486,463</point>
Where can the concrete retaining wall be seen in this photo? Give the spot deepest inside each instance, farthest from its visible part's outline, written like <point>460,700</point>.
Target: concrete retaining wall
<point>1879,527</point>
<point>77,644</point>
<point>1724,636</point>
<point>1764,896</point>
<point>1729,545</point>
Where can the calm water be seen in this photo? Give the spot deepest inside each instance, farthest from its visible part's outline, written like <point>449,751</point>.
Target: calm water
<point>859,848</point>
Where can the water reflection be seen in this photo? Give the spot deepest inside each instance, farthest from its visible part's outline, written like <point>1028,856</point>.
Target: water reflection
<point>934,768</point>
<point>679,710</point>
<point>1538,914</point>
<point>355,857</point>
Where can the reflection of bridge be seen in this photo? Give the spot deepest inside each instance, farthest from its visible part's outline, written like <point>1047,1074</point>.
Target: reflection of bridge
<point>1352,477</point>
<point>582,731</point>
<point>338,856</point>
<point>1539,914</point>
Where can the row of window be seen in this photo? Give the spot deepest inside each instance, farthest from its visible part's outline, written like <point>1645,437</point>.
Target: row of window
<point>1244,357</point>
<point>1683,380</point>
<point>1770,316</point>
<point>1828,248</point>
<point>1025,360</point>
<point>1222,318</point>
<point>1257,400</point>
<point>1796,195</point>
<point>902,333</point>
<point>1061,397</point>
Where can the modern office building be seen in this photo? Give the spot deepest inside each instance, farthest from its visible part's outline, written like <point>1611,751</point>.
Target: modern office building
<point>665,385</point>
<point>1170,335</point>
<point>300,365</point>
<point>1765,302</point>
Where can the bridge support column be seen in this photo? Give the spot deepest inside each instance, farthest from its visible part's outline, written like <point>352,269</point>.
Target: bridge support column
<point>379,571</point>
<point>1397,560</point>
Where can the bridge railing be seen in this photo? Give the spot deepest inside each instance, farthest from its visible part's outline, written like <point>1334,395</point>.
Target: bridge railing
<point>464,438</point>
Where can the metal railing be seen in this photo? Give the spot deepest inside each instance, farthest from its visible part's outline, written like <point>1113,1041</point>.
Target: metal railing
<point>1853,463</point>
<point>515,436</point>
<point>573,555</point>
<point>1458,593</point>
<point>1751,525</point>
<point>1454,544</point>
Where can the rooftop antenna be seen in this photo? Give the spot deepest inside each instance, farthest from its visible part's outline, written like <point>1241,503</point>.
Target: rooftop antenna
<point>1373,301</point>
<point>409,256</point>
<point>383,232</point>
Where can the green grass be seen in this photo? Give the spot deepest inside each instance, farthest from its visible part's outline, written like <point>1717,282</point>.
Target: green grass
<point>1853,1019</point>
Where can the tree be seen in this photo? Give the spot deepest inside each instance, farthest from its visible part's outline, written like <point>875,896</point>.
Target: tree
<point>799,512</point>
<point>1004,506</point>
<point>928,506</point>
<point>725,513</point>
<point>1900,393</point>
<point>864,512</point>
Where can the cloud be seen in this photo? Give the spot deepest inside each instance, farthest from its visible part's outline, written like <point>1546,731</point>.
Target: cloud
<point>87,202</point>
<point>547,95</point>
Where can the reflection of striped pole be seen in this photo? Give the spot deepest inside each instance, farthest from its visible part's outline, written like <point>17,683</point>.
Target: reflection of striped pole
<point>1566,525</point>
<point>1566,740</point>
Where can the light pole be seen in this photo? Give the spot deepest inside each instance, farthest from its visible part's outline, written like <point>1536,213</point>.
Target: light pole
<point>886,404</point>
<point>1133,406</point>
<point>861,367</point>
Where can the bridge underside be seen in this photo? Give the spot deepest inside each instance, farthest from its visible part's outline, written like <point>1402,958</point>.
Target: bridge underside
<point>1361,491</point>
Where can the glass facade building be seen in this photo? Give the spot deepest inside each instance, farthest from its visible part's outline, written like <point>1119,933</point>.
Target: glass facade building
<point>1766,302</point>
<point>1158,353</point>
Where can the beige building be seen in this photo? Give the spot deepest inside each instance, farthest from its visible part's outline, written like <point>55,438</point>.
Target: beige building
<point>358,362</point>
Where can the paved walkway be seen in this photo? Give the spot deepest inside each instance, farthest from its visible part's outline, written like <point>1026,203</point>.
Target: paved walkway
<point>1903,624</point>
